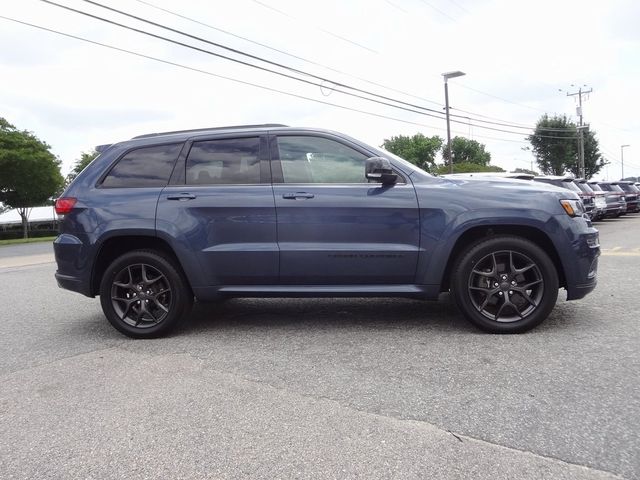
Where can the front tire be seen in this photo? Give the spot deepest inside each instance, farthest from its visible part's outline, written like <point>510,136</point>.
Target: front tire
<point>504,284</point>
<point>144,295</point>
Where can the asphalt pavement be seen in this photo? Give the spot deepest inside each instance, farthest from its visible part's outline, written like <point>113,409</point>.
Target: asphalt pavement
<point>321,388</point>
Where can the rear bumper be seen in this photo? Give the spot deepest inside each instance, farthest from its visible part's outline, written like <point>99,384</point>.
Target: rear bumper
<point>74,269</point>
<point>74,284</point>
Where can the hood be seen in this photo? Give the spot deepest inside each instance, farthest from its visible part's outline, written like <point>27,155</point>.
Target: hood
<point>510,184</point>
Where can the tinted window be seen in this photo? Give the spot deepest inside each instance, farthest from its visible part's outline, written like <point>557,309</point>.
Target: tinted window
<point>595,187</point>
<point>319,160</point>
<point>144,167</point>
<point>224,161</point>
<point>585,187</point>
<point>570,186</point>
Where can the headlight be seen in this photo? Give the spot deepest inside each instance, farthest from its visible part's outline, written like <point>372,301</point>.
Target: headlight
<point>574,208</point>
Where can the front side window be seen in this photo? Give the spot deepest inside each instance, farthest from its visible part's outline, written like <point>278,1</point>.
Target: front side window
<point>224,161</point>
<point>319,160</point>
<point>144,167</point>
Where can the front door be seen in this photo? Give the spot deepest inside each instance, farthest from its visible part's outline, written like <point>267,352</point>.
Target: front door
<point>335,228</point>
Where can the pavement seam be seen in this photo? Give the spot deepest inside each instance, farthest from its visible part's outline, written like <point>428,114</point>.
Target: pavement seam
<point>458,436</point>
<point>5,377</point>
<point>205,365</point>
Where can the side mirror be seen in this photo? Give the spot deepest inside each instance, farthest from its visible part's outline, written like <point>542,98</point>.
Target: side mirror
<point>378,169</point>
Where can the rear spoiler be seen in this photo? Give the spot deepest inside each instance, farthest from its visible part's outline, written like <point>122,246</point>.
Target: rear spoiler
<point>102,148</point>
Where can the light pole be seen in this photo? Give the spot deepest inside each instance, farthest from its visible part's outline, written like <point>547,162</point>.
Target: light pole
<point>622,158</point>
<point>447,76</point>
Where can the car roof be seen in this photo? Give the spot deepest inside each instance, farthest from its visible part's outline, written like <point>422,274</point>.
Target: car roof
<point>184,135</point>
<point>211,129</point>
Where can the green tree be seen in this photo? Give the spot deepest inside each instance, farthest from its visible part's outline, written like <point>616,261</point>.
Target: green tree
<point>467,167</point>
<point>418,149</point>
<point>464,150</point>
<point>29,172</point>
<point>85,159</point>
<point>593,159</point>
<point>555,145</point>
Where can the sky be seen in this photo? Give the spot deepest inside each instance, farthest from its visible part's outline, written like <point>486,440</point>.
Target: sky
<point>521,58</point>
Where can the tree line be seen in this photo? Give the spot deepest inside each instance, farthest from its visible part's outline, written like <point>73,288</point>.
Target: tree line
<point>554,145</point>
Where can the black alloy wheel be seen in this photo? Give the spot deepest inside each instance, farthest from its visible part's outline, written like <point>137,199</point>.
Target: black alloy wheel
<point>144,295</point>
<point>505,284</point>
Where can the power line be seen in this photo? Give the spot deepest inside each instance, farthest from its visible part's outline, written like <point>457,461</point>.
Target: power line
<point>235,80</point>
<point>224,77</point>
<point>421,110</point>
<point>444,14</point>
<point>340,37</point>
<point>283,52</point>
<point>501,123</point>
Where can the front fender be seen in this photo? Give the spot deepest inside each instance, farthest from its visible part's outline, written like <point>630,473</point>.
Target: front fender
<point>436,251</point>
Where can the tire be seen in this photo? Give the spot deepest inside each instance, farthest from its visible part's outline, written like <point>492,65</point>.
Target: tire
<point>144,295</point>
<point>504,284</point>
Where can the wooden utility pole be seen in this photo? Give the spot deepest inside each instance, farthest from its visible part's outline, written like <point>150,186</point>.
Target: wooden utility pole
<point>581,128</point>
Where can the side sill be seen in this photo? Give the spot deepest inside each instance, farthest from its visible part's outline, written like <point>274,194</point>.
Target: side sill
<point>421,292</point>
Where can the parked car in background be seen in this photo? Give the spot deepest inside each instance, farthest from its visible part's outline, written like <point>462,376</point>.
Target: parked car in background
<point>565,181</point>
<point>616,203</point>
<point>631,195</point>
<point>275,211</point>
<point>598,199</point>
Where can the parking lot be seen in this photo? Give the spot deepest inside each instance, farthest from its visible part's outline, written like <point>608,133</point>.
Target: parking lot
<point>320,388</point>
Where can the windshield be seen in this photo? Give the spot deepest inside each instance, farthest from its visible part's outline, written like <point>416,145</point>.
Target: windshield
<point>616,188</point>
<point>571,186</point>
<point>398,159</point>
<point>596,188</point>
<point>585,187</point>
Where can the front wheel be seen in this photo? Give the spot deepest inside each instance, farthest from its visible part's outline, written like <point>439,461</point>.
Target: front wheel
<point>504,284</point>
<point>144,295</point>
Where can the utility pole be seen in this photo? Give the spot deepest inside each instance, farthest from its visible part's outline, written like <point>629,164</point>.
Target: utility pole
<point>581,127</point>
<point>622,147</point>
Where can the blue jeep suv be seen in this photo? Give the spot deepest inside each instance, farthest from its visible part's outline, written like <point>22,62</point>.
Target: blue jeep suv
<point>275,211</point>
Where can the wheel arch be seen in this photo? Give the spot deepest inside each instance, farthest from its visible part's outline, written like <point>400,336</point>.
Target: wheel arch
<point>115,246</point>
<point>477,233</point>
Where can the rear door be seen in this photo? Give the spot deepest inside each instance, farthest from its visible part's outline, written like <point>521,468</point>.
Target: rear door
<point>335,228</point>
<point>219,210</point>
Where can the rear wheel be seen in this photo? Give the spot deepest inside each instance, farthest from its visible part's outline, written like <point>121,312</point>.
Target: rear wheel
<point>144,295</point>
<point>504,284</point>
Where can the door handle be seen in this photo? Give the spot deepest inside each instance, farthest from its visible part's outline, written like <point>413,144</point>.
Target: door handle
<point>294,196</point>
<point>181,196</point>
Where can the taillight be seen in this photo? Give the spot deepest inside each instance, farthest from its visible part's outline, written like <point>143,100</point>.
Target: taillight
<point>65,204</point>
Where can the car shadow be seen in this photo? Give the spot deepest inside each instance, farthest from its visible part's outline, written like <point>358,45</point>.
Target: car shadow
<point>325,313</point>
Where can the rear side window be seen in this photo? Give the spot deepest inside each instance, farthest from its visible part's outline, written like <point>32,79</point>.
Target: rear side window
<point>224,161</point>
<point>144,167</point>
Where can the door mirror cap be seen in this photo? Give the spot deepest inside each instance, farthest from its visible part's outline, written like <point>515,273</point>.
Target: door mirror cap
<point>378,169</point>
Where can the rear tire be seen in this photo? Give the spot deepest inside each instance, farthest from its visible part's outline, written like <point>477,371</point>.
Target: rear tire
<point>144,295</point>
<point>504,284</point>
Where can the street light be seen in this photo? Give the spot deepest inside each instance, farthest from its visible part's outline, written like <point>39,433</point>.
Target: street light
<point>622,158</point>
<point>447,76</point>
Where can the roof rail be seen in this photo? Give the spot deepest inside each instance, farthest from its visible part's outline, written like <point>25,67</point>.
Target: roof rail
<point>263,125</point>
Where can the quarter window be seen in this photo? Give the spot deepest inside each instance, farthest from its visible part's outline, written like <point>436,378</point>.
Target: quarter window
<point>224,161</point>
<point>319,160</point>
<point>144,167</point>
